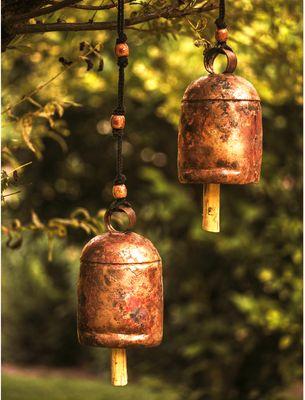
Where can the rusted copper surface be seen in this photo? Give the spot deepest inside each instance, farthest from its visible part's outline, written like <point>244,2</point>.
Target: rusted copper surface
<point>211,54</point>
<point>120,295</point>
<point>220,131</point>
<point>123,208</point>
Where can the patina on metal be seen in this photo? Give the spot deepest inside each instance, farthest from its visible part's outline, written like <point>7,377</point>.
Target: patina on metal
<point>220,131</point>
<point>120,294</point>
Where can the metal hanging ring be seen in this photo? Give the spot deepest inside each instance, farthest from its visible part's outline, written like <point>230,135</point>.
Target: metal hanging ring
<point>211,54</point>
<point>128,210</point>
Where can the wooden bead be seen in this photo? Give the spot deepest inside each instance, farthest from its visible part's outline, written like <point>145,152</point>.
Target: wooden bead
<point>117,121</point>
<point>122,50</point>
<point>221,35</point>
<point>119,191</point>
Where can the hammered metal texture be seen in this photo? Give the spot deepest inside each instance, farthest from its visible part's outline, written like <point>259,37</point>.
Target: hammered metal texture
<point>220,131</point>
<point>120,293</point>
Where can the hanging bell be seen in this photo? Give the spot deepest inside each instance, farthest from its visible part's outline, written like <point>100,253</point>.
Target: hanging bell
<point>120,294</point>
<point>220,133</point>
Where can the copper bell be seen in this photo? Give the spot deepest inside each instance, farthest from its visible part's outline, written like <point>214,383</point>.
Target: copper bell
<point>220,133</point>
<point>120,294</point>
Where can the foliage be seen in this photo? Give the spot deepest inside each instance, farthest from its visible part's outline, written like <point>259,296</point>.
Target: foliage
<point>232,316</point>
<point>58,388</point>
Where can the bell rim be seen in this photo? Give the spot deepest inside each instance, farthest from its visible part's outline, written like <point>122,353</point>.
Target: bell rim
<point>119,340</point>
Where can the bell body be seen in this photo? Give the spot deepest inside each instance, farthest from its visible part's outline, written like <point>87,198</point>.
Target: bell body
<point>220,131</point>
<point>120,293</point>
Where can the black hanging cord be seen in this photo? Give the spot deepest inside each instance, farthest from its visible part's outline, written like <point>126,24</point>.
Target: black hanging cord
<point>220,21</point>
<point>120,110</point>
<point>220,47</point>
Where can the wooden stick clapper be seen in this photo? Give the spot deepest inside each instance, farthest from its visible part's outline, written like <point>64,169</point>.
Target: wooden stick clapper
<point>119,367</point>
<point>211,204</point>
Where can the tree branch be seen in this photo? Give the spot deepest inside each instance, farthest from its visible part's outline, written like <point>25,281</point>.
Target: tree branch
<point>111,25</point>
<point>41,11</point>
<point>92,8</point>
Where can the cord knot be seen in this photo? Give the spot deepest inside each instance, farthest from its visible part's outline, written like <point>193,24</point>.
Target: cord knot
<point>120,179</point>
<point>123,61</point>
<point>220,23</point>
<point>122,38</point>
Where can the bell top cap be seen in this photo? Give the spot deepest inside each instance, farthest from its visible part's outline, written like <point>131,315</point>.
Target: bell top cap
<point>220,87</point>
<point>120,248</point>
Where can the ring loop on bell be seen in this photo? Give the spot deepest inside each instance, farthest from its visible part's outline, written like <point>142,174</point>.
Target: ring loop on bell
<point>120,208</point>
<point>211,54</point>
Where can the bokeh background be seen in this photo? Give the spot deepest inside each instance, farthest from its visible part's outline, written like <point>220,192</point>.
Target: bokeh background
<point>232,300</point>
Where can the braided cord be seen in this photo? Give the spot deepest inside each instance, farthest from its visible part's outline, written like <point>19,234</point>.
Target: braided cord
<point>220,21</point>
<point>120,110</point>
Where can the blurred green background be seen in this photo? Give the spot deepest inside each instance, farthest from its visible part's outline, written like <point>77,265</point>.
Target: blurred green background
<point>232,300</point>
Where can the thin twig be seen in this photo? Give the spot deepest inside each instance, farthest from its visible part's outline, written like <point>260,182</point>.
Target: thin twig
<point>94,14</point>
<point>43,85</point>
<point>10,194</point>
<point>111,25</point>
<point>20,167</point>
